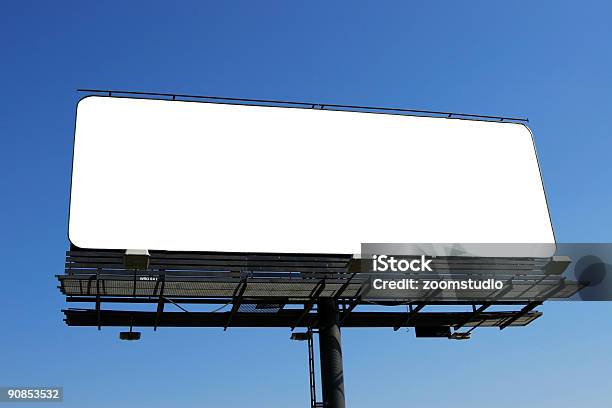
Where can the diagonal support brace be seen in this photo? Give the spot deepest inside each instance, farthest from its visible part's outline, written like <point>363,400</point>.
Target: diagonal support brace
<point>308,306</point>
<point>411,315</point>
<point>237,301</point>
<point>475,314</point>
<point>528,308</point>
<point>160,302</point>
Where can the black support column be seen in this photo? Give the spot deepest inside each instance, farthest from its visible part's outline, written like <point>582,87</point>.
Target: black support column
<point>330,352</point>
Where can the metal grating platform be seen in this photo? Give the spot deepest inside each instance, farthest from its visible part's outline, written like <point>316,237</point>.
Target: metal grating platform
<point>291,277</point>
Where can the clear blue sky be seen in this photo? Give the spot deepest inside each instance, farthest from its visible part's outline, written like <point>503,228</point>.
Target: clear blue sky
<point>548,60</point>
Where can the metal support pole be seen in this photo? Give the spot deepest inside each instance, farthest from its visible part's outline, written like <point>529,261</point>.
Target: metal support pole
<point>311,371</point>
<point>330,353</point>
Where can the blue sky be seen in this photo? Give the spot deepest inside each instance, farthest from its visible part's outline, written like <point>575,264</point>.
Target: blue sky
<point>548,60</point>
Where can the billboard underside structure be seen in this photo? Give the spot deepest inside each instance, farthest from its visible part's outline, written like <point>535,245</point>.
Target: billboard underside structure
<point>264,206</point>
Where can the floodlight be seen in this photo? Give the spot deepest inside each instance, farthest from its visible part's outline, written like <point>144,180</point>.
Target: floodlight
<point>136,259</point>
<point>432,331</point>
<point>460,336</point>
<point>129,336</point>
<point>300,336</point>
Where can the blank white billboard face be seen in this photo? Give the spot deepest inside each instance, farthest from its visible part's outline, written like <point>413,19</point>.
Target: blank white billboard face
<point>188,176</point>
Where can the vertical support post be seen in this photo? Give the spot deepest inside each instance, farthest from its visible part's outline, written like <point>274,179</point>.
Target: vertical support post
<point>311,371</point>
<point>330,353</point>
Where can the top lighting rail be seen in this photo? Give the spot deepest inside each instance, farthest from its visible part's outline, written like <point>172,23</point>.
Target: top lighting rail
<point>311,105</point>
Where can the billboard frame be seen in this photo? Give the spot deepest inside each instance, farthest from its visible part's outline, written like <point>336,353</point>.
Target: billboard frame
<point>302,105</point>
<point>321,313</point>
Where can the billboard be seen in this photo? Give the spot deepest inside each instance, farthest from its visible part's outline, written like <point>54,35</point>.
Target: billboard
<point>192,176</point>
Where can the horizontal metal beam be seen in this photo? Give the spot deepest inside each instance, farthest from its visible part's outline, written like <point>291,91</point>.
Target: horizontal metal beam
<point>287,318</point>
<point>221,301</point>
